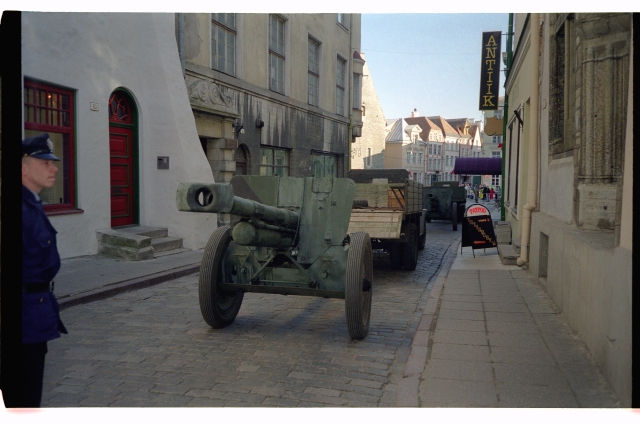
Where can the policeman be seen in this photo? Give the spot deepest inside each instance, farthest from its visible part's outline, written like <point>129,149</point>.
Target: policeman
<point>40,263</point>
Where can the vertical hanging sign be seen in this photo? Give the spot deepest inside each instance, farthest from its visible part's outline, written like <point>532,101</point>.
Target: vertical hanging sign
<point>490,70</point>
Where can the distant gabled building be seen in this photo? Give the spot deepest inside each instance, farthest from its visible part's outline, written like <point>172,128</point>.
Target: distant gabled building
<point>451,146</point>
<point>405,149</point>
<point>433,136</point>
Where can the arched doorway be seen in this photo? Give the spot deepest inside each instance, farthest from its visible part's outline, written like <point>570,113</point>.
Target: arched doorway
<point>242,160</point>
<point>123,148</point>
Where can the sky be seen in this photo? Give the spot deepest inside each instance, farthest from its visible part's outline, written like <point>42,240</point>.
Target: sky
<point>430,62</point>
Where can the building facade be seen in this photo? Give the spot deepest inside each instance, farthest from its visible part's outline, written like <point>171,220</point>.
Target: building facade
<point>109,90</point>
<point>274,94</point>
<point>569,155</point>
<point>367,151</point>
<point>433,136</point>
<point>492,140</point>
<point>405,149</point>
<point>451,148</point>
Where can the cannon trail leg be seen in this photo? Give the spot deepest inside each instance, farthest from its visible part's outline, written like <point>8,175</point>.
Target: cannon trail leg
<point>358,285</point>
<point>219,308</point>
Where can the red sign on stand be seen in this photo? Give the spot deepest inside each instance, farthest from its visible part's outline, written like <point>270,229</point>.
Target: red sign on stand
<point>477,228</point>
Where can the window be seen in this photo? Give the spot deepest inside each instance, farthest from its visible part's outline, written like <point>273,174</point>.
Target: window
<point>343,19</point>
<point>495,180</point>
<point>223,42</point>
<point>414,157</point>
<point>420,157</point>
<point>276,54</point>
<point>324,165</point>
<point>313,71</point>
<point>562,86</point>
<point>49,109</point>
<point>439,150</point>
<point>415,138</point>
<point>408,157</point>
<point>357,91</point>
<point>496,154</point>
<point>274,162</point>
<point>499,113</point>
<point>496,139</point>
<point>340,84</point>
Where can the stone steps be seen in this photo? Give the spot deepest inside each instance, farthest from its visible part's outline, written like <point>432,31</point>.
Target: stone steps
<point>137,243</point>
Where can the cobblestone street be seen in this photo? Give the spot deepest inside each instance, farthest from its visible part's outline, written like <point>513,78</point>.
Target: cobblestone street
<point>151,347</point>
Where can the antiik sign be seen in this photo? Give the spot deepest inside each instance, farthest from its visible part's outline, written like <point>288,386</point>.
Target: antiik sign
<point>490,70</point>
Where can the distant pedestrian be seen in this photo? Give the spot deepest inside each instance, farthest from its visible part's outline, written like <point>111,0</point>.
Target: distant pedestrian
<point>40,263</point>
<point>485,193</point>
<point>492,193</point>
<point>481,193</point>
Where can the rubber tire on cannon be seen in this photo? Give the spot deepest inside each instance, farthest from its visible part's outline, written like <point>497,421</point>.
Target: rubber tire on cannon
<point>358,285</point>
<point>218,307</point>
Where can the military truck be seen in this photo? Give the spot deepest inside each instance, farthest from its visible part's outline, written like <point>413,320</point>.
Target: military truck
<point>388,206</point>
<point>445,200</point>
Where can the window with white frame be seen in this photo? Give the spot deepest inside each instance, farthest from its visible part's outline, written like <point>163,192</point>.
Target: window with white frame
<point>223,42</point>
<point>313,71</point>
<point>495,180</point>
<point>276,54</point>
<point>408,157</point>
<point>496,139</point>
<point>420,157</point>
<point>340,85</point>
<point>497,154</point>
<point>357,91</point>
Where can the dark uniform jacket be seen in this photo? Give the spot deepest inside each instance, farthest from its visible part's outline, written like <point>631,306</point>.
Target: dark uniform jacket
<point>40,263</point>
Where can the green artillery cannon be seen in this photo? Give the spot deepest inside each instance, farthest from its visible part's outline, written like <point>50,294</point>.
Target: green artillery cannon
<point>287,236</point>
<point>445,200</point>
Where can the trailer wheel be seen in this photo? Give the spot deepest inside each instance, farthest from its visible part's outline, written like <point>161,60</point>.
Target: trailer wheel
<point>454,216</point>
<point>410,248</point>
<point>395,256</point>
<point>218,307</point>
<point>358,285</point>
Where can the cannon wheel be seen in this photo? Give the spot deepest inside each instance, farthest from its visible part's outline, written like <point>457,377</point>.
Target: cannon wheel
<point>410,248</point>
<point>219,308</point>
<point>358,285</point>
<point>454,215</point>
<point>395,256</point>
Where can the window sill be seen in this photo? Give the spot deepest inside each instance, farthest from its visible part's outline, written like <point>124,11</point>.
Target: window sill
<point>63,212</point>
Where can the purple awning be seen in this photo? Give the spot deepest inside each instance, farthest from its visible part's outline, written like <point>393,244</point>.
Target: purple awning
<point>478,166</point>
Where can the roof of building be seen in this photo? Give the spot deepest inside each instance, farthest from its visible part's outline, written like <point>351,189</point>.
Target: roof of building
<point>396,132</point>
<point>447,129</point>
<point>425,124</point>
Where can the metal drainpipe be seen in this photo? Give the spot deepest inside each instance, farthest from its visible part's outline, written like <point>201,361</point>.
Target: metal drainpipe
<point>505,108</point>
<point>181,40</point>
<point>532,182</point>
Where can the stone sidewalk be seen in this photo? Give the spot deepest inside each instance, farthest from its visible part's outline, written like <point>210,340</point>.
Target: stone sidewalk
<point>491,337</point>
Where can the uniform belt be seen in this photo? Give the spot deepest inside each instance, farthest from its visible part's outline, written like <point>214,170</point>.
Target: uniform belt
<point>37,287</point>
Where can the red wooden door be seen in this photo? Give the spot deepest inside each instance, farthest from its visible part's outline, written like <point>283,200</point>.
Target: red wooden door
<point>122,187</point>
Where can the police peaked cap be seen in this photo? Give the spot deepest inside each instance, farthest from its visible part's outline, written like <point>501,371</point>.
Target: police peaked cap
<point>40,147</point>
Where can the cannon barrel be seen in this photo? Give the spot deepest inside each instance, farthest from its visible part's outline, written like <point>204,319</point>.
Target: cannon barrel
<point>219,198</point>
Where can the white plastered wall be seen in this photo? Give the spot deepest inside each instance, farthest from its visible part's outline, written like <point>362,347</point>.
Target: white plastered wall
<point>94,54</point>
